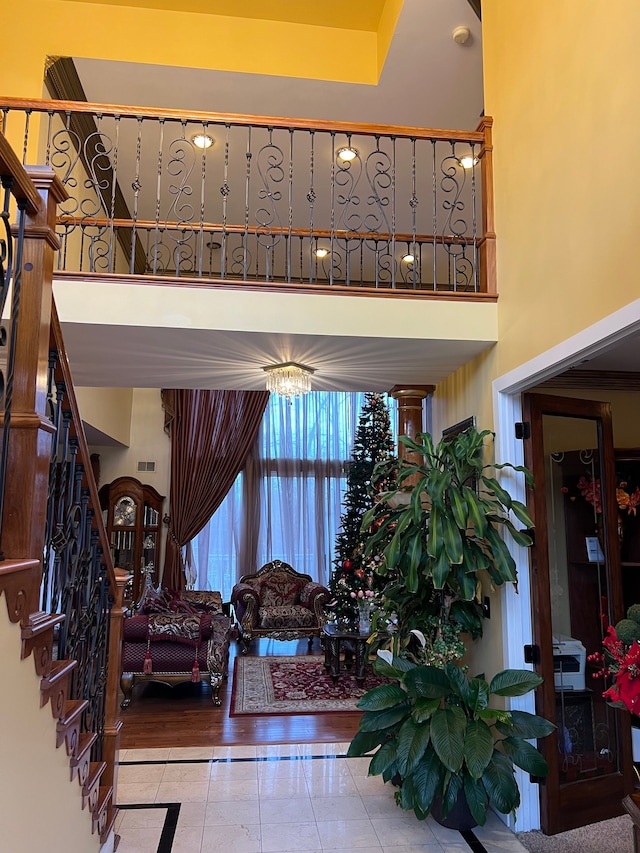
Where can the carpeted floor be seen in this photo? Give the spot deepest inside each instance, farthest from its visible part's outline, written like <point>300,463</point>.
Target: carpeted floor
<point>608,836</point>
<point>293,685</point>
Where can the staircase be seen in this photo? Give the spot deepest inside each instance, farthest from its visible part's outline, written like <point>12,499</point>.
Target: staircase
<point>56,575</point>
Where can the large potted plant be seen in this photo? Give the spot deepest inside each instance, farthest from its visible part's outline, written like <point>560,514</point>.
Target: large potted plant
<point>436,540</point>
<point>437,535</point>
<point>436,733</point>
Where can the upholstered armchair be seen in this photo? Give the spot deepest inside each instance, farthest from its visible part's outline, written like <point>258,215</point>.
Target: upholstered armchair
<point>280,603</point>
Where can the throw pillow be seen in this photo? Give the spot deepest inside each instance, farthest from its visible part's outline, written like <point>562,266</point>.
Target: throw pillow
<point>279,589</point>
<point>152,601</point>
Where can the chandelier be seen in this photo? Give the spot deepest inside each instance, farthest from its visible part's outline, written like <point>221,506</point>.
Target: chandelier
<point>289,379</point>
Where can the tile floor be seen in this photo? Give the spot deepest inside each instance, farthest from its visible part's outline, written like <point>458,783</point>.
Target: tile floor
<point>274,799</point>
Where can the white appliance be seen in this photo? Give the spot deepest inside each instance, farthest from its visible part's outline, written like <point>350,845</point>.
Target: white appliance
<point>569,659</point>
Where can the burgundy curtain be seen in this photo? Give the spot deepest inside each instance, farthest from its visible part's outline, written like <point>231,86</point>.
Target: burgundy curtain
<point>211,435</point>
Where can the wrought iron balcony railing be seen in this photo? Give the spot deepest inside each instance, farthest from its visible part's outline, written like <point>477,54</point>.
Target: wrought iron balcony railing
<point>270,199</point>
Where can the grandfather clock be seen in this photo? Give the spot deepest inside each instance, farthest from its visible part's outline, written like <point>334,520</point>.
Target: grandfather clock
<point>133,513</point>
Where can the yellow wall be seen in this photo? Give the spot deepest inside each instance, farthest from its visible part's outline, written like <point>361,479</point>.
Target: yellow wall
<point>625,412</point>
<point>39,808</point>
<point>155,306</point>
<point>466,393</point>
<point>107,409</point>
<point>148,442</point>
<point>561,83</point>
<point>60,28</point>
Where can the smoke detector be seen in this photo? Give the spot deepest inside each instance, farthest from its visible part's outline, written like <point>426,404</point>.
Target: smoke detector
<point>461,35</point>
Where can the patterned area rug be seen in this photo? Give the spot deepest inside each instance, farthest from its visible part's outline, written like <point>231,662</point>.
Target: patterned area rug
<point>293,685</point>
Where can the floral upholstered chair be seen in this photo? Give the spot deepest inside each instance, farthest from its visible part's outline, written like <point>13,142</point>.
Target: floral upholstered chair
<point>280,603</point>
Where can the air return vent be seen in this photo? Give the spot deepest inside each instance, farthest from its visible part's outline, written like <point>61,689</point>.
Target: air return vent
<point>146,466</point>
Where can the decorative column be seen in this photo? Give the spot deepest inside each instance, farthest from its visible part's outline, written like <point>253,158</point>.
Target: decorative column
<point>410,421</point>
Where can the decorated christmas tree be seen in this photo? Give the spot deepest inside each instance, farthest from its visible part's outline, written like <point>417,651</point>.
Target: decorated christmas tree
<point>353,578</point>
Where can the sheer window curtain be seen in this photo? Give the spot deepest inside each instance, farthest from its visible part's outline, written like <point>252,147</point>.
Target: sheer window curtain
<point>287,502</point>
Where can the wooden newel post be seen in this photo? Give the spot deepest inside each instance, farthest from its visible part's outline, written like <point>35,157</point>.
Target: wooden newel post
<point>487,243</point>
<point>113,723</point>
<point>410,421</point>
<point>30,435</point>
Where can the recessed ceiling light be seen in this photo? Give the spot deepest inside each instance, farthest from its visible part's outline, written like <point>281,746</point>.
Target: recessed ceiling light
<point>202,140</point>
<point>347,154</point>
<point>468,162</point>
<point>408,258</point>
<point>321,252</point>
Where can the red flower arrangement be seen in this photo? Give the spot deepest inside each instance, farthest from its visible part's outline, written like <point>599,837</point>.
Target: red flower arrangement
<point>621,662</point>
<point>590,491</point>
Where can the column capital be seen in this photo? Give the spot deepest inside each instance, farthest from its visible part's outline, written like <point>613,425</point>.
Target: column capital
<point>399,392</point>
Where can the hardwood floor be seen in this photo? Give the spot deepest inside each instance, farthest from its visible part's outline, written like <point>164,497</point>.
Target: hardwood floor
<point>185,716</point>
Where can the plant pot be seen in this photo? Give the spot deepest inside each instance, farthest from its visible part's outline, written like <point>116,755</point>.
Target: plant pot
<point>459,817</point>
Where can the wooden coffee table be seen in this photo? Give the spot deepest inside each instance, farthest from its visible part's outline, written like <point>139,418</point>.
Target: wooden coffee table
<point>337,640</point>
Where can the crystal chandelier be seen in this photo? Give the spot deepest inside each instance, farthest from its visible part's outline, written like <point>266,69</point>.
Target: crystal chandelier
<point>289,379</point>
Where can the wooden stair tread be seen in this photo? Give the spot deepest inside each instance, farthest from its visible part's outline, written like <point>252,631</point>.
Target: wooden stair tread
<point>54,685</point>
<point>106,792</point>
<point>110,823</point>
<point>59,669</point>
<point>96,769</point>
<point>10,566</point>
<point>100,813</point>
<point>85,742</point>
<point>73,710</point>
<point>68,726</point>
<point>39,626</point>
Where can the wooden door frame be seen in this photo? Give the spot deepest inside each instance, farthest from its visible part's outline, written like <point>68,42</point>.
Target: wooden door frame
<point>569,799</point>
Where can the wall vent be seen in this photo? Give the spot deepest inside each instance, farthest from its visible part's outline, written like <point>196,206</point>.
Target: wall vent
<point>146,466</point>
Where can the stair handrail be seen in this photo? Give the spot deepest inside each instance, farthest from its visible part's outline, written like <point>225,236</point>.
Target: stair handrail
<point>28,439</point>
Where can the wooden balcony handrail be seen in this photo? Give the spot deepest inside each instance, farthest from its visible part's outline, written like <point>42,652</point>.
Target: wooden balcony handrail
<point>23,188</point>
<point>152,225</point>
<point>239,119</point>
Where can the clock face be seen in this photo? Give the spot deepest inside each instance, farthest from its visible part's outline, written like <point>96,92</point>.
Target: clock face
<point>124,512</point>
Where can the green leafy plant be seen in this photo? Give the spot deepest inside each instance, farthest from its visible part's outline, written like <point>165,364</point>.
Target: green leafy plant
<point>437,534</point>
<point>435,730</point>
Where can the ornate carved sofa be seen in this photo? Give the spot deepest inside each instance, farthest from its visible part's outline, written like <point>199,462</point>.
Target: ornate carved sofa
<point>176,638</point>
<point>280,603</point>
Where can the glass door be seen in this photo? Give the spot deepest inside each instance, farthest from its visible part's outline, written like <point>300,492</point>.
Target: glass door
<point>577,594</point>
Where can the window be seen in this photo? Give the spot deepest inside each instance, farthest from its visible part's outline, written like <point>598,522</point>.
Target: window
<point>287,503</point>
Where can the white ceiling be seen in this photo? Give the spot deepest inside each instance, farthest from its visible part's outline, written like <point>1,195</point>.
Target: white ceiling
<point>201,358</point>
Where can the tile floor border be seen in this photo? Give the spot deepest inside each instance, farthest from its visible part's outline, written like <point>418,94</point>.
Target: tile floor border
<point>165,845</point>
<point>242,760</point>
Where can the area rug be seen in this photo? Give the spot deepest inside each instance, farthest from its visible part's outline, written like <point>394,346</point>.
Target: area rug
<point>607,836</point>
<point>293,685</point>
